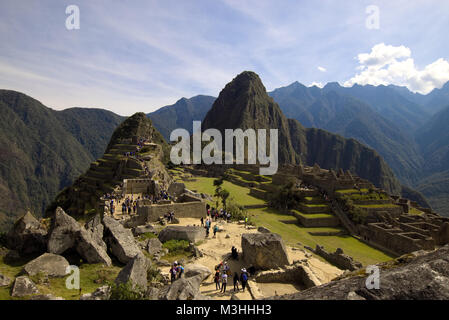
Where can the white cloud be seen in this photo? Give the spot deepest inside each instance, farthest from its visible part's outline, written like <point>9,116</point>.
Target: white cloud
<point>387,64</point>
<point>322,69</point>
<point>318,84</point>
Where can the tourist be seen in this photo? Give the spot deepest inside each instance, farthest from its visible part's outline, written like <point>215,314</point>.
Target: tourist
<point>202,221</point>
<point>236,281</point>
<point>215,230</point>
<point>173,273</point>
<point>246,221</point>
<point>224,281</point>
<point>244,279</point>
<point>180,271</point>
<point>226,268</point>
<point>234,253</point>
<point>217,279</point>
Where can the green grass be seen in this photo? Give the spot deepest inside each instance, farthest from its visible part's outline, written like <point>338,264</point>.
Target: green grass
<point>240,194</point>
<point>294,233</point>
<point>389,205</point>
<point>314,215</point>
<point>318,205</point>
<point>413,210</point>
<point>92,276</point>
<point>346,191</point>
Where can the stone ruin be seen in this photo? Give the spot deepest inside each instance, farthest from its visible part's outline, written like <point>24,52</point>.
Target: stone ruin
<point>338,258</point>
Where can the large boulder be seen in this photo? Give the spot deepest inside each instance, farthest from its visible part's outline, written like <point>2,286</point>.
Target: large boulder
<point>135,272</point>
<point>27,236</point>
<point>23,286</point>
<point>189,233</point>
<point>182,289</point>
<point>443,234</point>
<point>421,275</point>
<point>50,264</point>
<point>66,233</point>
<point>176,189</point>
<point>148,228</point>
<point>46,297</point>
<point>120,240</point>
<point>96,230</point>
<point>192,270</point>
<point>264,250</point>
<point>154,246</point>
<point>4,281</point>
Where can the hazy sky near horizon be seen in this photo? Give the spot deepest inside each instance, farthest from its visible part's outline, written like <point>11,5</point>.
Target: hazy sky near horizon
<point>142,55</point>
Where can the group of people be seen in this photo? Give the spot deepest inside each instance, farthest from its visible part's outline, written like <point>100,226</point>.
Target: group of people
<point>222,275</point>
<point>129,205</point>
<point>176,271</point>
<point>170,216</point>
<point>218,214</point>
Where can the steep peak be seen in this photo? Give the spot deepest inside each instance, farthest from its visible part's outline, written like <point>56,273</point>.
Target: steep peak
<point>332,85</point>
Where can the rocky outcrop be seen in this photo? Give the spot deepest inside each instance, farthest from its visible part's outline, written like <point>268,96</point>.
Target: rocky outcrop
<point>189,233</point>
<point>418,276</point>
<point>338,258</point>
<point>102,293</point>
<point>263,230</point>
<point>49,264</point>
<point>192,270</point>
<point>120,240</point>
<point>66,233</point>
<point>182,289</point>
<point>154,246</point>
<point>148,228</point>
<point>96,230</point>
<point>135,272</point>
<point>264,250</point>
<point>443,234</point>
<point>23,286</point>
<point>176,189</point>
<point>4,281</point>
<point>27,236</point>
<point>46,297</point>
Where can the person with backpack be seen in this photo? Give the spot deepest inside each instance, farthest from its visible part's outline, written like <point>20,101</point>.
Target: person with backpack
<point>173,273</point>
<point>236,281</point>
<point>224,281</point>
<point>244,279</point>
<point>217,279</point>
<point>215,230</point>
<point>180,271</point>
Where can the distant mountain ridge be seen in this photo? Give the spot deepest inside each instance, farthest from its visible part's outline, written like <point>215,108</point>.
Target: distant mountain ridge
<point>244,103</point>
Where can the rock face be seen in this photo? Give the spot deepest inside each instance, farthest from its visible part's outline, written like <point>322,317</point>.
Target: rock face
<point>120,240</point>
<point>192,270</point>
<point>443,234</point>
<point>154,246</point>
<point>102,293</point>
<point>50,264</point>
<point>263,230</point>
<point>66,233</point>
<point>135,272</point>
<point>264,250</point>
<point>4,281</point>
<point>176,189</point>
<point>148,228</point>
<point>96,230</point>
<point>23,286</point>
<point>422,277</point>
<point>191,234</point>
<point>182,289</point>
<point>27,236</point>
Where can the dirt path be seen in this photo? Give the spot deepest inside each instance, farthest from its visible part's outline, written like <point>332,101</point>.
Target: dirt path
<point>218,249</point>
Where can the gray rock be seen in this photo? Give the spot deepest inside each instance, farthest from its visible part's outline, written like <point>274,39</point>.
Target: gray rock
<point>46,297</point>
<point>4,281</point>
<point>66,233</point>
<point>420,276</point>
<point>135,272</point>
<point>27,236</point>
<point>49,264</point>
<point>102,293</point>
<point>120,240</point>
<point>192,270</point>
<point>23,286</point>
<point>189,233</point>
<point>234,297</point>
<point>182,289</point>
<point>152,293</point>
<point>163,263</point>
<point>264,250</point>
<point>176,189</point>
<point>154,246</point>
<point>148,228</point>
<point>263,230</point>
<point>90,249</point>
<point>96,230</point>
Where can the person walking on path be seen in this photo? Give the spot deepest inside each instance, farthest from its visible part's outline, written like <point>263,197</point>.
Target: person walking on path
<point>215,230</point>
<point>202,221</point>
<point>244,279</point>
<point>224,281</point>
<point>246,222</point>
<point>217,279</point>
<point>236,281</point>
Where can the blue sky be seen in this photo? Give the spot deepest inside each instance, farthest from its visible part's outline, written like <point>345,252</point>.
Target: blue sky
<point>141,55</point>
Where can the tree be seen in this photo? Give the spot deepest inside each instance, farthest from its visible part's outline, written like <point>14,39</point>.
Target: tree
<point>224,195</point>
<point>218,183</point>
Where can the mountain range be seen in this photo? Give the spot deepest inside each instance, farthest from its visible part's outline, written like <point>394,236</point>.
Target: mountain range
<point>43,150</point>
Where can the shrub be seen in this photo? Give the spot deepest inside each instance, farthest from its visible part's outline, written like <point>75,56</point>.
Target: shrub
<point>238,212</point>
<point>154,274</point>
<point>125,291</point>
<point>176,246</point>
<point>147,235</point>
<point>285,197</point>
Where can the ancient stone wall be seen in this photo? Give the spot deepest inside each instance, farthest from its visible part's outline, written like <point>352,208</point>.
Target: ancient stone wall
<point>338,258</point>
